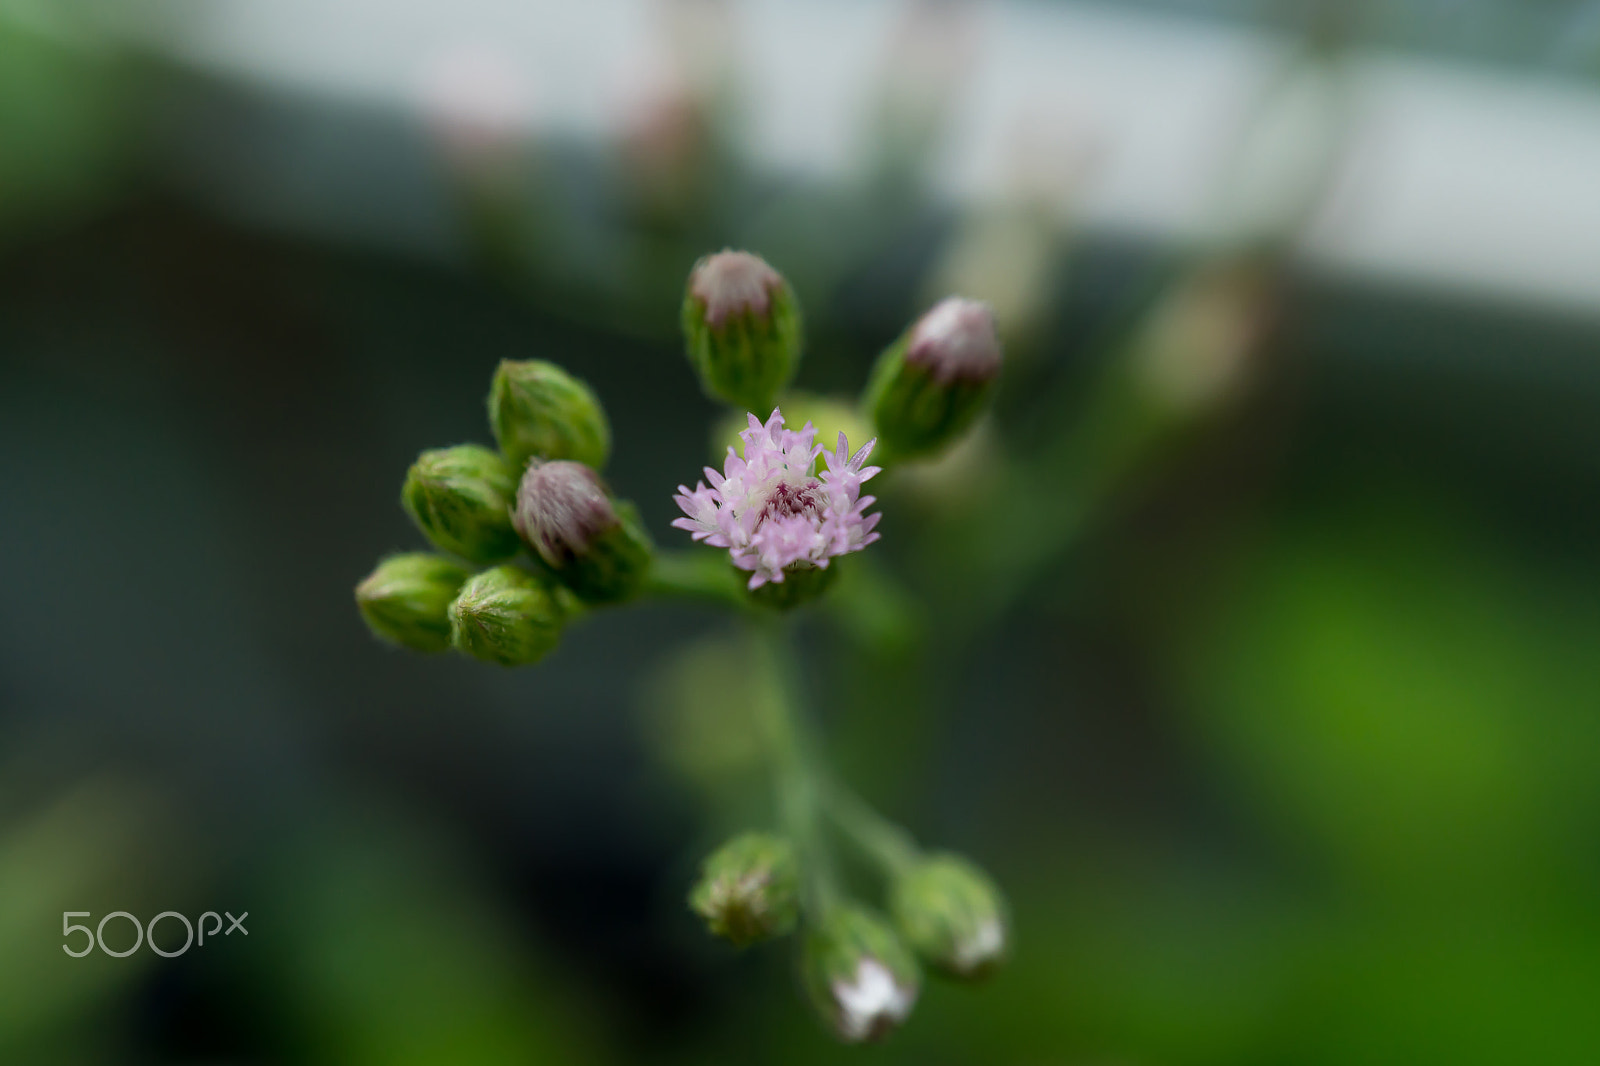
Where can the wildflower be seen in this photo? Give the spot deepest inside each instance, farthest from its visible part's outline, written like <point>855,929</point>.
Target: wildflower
<point>777,519</point>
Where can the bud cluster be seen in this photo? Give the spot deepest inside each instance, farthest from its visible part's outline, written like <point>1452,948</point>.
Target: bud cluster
<point>540,494</point>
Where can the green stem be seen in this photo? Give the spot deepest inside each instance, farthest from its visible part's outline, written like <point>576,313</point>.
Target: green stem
<point>703,576</point>
<point>797,781</point>
<point>879,839</point>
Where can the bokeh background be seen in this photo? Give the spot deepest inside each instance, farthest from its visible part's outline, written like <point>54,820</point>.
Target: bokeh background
<point>1253,644</point>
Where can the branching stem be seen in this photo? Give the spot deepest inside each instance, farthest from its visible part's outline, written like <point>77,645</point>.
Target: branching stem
<point>796,775</point>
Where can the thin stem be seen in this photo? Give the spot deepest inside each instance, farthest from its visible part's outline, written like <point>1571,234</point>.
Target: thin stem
<point>888,844</point>
<point>797,781</point>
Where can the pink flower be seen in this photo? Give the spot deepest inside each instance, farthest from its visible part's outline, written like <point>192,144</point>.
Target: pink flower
<point>771,512</point>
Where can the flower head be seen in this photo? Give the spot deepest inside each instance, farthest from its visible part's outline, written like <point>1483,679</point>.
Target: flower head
<point>771,512</point>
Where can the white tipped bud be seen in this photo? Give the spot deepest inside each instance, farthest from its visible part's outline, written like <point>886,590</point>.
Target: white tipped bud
<point>952,914</point>
<point>861,977</point>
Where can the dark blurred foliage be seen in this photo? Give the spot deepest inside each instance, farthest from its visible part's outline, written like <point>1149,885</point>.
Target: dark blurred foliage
<point>1250,645</point>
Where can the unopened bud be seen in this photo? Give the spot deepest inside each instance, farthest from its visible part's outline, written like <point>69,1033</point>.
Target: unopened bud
<point>506,615</point>
<point>406,600</point>
<point>749,889</point>
<point>860,976</point>
<point>930,385</point>
<point>538,409</point>
<point>461,500</point>
<point>741,323</point>
<point>953,916</point>
<point>594,544</point>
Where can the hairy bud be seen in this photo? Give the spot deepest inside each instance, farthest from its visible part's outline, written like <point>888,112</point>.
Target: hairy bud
<point>536,409</point>
<point>858,973</point>
<point>506,615</point>
<point>461,500</point>
<point>929,386</point>
<point>592,543</point>
<point>749,889</point>
<point>953,916</point>
<point>741,323</point>
<point>406,600</point>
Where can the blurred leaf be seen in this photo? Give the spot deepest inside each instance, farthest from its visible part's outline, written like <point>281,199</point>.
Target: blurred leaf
<point>64,118</point>
<point>388,953</point>
<point>1408,699</point>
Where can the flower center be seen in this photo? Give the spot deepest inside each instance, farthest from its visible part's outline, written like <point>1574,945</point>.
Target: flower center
<point>788,500</point>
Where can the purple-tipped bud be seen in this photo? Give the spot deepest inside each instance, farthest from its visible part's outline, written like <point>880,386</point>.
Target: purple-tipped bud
<point>741,323</point>
<point>956,341</point>
<point>931,384</point>
<point>592,543</point>
<point>733,283</point>
<point>561,509</point>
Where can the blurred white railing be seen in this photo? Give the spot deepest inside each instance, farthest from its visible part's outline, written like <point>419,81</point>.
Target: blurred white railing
<point>1447,176</point>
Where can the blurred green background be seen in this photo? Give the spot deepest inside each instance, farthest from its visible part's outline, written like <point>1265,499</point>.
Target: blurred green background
<point>1251,645</point>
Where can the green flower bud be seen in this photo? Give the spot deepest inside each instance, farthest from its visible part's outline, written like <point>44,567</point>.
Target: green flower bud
<point>406,600</point>
<point>858,973</point>
<point>593,544</point>
<point>538,409</point>
<point>801,584</point>
<point>749,889</point>
<point>929,386</point>
<point>741,323</point>
<point>461,500</point>
<point>506,615</point>
<point>952,915</point>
